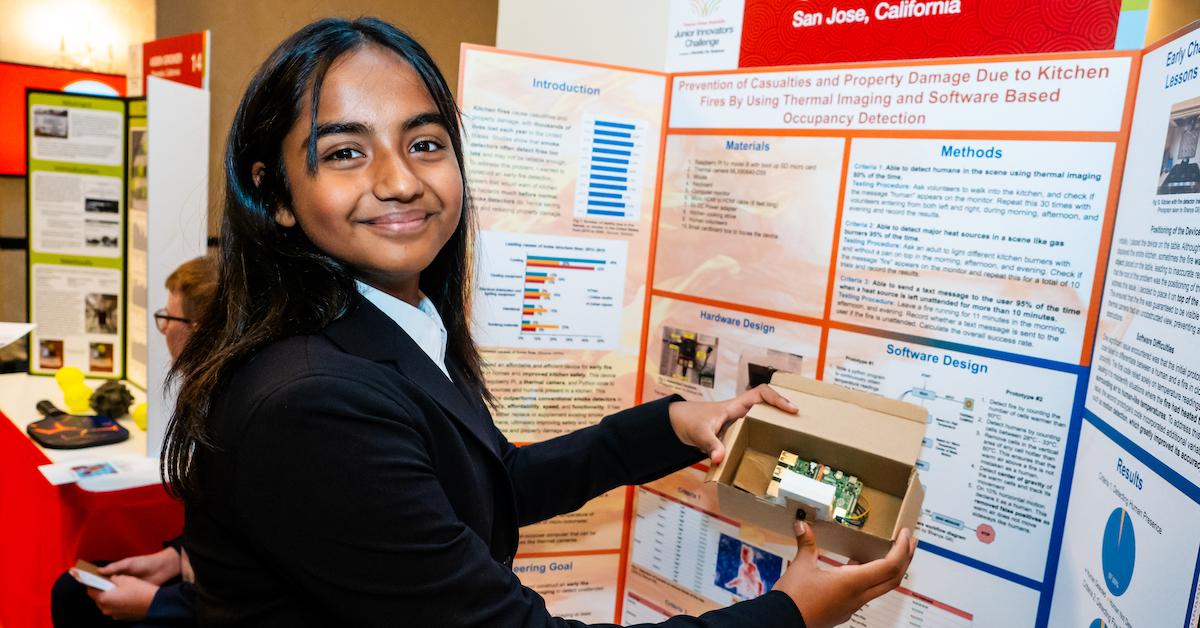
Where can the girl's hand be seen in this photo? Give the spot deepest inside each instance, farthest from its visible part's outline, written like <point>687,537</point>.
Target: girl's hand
<point>828,597</point>
<point>129,600</point>
<point>699,423</point>
<point>154,568</point>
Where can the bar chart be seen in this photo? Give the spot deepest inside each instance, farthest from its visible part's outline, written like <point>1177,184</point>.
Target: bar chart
<point>552,292</point>
<point>611,165</point>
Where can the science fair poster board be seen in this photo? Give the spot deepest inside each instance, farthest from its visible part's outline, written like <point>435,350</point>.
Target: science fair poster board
<point>177,221</point>
<point>563,161</point>
<point>1131,555</point>
<point>136,240</point>
<point>937,227</point>
<point>932,231</point>
<point>76,205</point>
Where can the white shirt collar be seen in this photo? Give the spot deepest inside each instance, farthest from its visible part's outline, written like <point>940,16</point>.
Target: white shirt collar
<point>422,323</point>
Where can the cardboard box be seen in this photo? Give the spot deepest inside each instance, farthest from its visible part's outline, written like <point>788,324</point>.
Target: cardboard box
<point>873,437</point>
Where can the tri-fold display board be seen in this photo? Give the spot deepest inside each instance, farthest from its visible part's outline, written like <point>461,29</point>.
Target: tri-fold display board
<point>983,237</point>
<point>106,227</point>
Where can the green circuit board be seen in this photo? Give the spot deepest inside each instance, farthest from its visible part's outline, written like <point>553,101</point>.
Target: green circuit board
<point>848,507</point>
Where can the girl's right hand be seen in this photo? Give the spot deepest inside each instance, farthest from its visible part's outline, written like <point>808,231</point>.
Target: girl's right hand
<point>154,568</point>
<point>828,597</point>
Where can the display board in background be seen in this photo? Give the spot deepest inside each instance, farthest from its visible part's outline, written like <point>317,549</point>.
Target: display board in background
<point>177,118</point>
<point>1134,555</point>
<point>15,79</point>
<point>137,316</point>
<point>76,213</point>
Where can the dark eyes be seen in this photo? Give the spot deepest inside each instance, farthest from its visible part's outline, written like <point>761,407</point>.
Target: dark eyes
<point>420,146</point>
<point>426,146</point>
<point>342,154</point>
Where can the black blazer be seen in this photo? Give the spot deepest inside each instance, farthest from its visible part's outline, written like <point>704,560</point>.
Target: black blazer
<point>353,484</point>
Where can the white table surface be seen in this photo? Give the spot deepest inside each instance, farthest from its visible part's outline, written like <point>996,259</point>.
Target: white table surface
<point>19,394</point>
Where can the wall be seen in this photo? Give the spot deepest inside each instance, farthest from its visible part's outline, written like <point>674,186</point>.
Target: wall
<point>591,31</point>
<point>34,32</point>
<point>243,34</point>
<point>1166,16</point>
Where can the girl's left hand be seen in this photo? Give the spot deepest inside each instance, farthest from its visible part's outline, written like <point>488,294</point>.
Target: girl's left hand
<point>129,600</point>
<point>698,423</point>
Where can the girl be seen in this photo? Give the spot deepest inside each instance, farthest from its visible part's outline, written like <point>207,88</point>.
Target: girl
<point>331,439</point>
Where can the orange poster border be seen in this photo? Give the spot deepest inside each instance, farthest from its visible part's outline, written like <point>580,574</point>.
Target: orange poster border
<point>833,256</point>
<point>640,372</point>
<point>907,63</point>
<point>468,47</point>
<point>913,134</point>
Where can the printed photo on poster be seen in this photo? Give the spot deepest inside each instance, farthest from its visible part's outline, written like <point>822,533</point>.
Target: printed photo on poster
<point>101,313</point>
<point>50,123</point>
<point>50,354</point>
<point>758,365</point>
<point>689,357</point>
<point>100,357</point>
<point>138,149</point>
<point>744,570</point>
<point>103,234</point>
<point>1179,173</point>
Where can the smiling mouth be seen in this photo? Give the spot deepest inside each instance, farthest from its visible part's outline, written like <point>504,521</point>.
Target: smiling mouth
<point>399,222</point>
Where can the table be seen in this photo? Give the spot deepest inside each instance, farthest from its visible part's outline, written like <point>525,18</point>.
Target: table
<point>44,528</point>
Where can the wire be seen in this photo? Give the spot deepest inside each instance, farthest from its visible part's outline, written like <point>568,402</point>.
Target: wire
<point>861,509</point>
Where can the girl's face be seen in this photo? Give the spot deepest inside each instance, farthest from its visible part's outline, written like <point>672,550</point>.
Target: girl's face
<point>387,193</point>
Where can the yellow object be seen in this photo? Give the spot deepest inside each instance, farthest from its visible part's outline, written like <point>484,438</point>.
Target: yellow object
<point>76,394</point>
<point>78,397</point>
<point>68,375</point>
<point>139,415</point>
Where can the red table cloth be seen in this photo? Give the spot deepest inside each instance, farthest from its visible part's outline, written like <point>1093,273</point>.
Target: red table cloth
<point>44,528</point>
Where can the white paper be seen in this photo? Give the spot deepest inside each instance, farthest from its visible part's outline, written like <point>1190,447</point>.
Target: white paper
<point>103,474</point>
<point>92,580</point>
<point>12,332</point>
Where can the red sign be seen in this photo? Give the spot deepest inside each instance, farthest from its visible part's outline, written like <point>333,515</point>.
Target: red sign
<point>800,32</point>
<point>182,59</point>
<point>15,78</point>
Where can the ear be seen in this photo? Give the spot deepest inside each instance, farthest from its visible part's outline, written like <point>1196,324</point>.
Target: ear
<point>283,215</point>
<point>257,171</point>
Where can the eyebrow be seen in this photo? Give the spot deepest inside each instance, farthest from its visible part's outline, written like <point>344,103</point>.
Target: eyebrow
<point>337,128</point>
<point>429,117</point>
<point>360,128</point>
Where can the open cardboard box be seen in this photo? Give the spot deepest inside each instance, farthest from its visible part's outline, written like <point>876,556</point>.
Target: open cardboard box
<point>873,437</point>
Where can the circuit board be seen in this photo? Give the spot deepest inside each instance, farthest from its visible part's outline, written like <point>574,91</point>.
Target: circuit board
<point>847,506</point>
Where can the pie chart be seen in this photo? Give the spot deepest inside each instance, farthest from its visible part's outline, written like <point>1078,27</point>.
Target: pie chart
<point>1117,551</point>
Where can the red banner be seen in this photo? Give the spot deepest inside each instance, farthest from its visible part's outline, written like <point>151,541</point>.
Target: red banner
<point>182,59</point>
<point>796,32</point>
<point>15,78</point>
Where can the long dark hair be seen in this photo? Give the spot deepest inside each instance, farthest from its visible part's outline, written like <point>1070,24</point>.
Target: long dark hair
<point>273,282</point>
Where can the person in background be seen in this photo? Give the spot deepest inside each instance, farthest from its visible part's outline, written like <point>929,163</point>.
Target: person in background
<point>151,589</point>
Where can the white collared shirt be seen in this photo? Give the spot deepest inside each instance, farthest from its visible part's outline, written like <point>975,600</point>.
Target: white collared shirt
<point>422,323</point>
